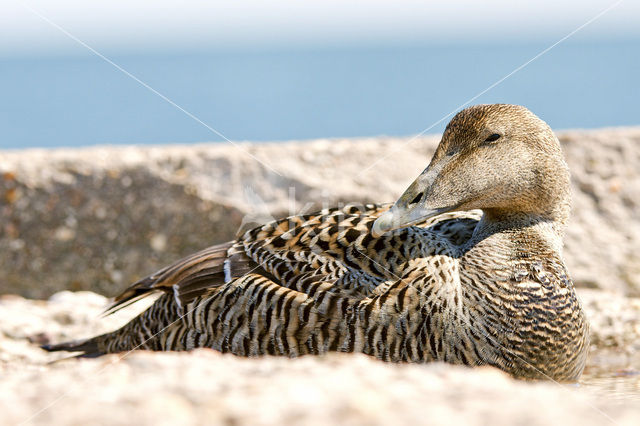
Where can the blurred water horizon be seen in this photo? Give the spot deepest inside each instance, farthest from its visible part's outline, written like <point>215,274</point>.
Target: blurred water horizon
<point>307,93</point>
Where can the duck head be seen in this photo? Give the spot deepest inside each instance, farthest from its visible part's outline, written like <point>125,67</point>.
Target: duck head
<point>499,158</point>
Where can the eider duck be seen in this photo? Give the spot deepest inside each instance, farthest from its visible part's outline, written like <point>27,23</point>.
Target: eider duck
<point>426,279</point>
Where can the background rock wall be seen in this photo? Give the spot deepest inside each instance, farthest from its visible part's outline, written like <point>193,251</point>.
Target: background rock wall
<point>100,218</point>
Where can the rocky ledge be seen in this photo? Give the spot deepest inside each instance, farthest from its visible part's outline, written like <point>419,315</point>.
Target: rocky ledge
<point>99,218</point>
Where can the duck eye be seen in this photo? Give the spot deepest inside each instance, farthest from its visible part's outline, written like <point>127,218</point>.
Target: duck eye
<point>493,137</point>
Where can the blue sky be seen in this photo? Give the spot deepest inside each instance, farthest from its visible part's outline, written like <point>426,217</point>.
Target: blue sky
<point>131,25</point>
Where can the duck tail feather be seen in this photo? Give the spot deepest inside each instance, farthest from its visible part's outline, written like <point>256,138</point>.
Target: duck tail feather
<point>88,347</point>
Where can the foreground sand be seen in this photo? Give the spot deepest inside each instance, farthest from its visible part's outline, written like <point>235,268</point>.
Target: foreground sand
<point>206,387</point>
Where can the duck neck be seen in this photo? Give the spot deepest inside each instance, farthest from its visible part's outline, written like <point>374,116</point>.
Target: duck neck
<point>544,202</point>
<point>550,226</point>
<point>548,208</point>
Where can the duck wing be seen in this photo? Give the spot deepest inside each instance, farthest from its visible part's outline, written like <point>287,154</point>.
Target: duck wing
<point>204,269</point>
<point>332,245</point>
<point>273,245</point>
<point>325,269</point>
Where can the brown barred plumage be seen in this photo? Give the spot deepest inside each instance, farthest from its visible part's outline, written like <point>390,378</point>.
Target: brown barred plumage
<point>458,286</point>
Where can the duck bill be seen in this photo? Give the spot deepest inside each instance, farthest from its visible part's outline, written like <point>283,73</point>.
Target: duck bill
<point>412,207</point>
<point>396,219</point>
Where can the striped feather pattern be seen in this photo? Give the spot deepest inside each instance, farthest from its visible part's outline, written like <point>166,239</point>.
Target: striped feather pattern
<point>318,283</point>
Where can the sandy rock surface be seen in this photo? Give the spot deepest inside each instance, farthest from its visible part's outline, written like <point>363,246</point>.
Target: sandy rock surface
<point>206,387</point>
<point>99,218</point>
